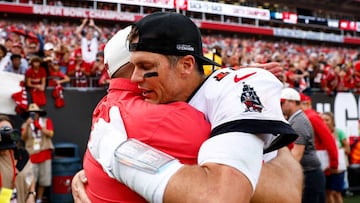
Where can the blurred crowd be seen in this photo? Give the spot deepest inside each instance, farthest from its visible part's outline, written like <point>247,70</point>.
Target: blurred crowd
<point>307,67</point>
<point>62,49</point>
<point>71,55</point>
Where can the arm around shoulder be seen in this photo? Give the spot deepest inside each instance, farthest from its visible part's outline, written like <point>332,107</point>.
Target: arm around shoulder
<point>208,183</point>
<point>280,181</point>
<point>229,171</point>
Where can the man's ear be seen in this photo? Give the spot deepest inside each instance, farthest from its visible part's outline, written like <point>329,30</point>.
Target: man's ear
<point>188,64</point>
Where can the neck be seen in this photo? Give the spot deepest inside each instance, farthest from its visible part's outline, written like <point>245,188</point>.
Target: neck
<point>294,111</point>
<point>192,84</point>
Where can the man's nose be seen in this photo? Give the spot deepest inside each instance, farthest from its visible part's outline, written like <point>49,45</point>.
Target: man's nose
<point>137,76</point>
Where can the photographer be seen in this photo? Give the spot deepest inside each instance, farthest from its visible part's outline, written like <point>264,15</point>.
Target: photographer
<point>18,182</point>
<point>37,132</point>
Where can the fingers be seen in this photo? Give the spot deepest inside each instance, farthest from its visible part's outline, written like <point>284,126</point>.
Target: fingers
<point>266,66</point>
<point>274,67</point>
<point>78,188</point>
<point>272,64</point>
<point>82,176</point>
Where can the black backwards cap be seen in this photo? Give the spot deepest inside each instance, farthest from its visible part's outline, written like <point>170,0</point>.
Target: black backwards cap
<point>170,33</point>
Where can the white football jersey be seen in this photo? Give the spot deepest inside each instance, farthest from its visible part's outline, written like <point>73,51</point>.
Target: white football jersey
<point>244,100</point>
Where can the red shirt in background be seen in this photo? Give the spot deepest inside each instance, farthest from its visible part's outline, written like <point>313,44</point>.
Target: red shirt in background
<point>35,76</point>
<point>324,139</point>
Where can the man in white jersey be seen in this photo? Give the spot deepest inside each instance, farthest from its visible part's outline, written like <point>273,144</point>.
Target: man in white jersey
<point>236,116</point>
<point>242,106</point>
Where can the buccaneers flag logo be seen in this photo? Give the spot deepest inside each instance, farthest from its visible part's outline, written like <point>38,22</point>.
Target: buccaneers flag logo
<point>250,99</point>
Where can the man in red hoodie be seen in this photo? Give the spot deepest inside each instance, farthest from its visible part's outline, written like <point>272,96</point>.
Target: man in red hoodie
<point>323,137</point>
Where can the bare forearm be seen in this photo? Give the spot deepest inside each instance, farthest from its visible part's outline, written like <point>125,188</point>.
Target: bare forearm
<point>280,180</point>
<point>48,133</point>
<point>81,27</point>
<point>208,183</point>
<point>33,185</point>
<point>98,29</point>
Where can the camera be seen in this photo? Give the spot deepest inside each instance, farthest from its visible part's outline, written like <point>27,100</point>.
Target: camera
<point>8,137</point>
<point>32,115</point>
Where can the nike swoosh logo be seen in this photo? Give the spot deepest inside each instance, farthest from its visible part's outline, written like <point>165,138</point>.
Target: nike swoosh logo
<point>236,79</point>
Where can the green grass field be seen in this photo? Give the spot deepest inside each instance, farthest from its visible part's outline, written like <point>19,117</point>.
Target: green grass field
<point>353,199</point>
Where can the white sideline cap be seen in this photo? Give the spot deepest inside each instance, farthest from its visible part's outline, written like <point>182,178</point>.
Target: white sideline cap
<point>290,94</point>
<point>116,51</point>
<point>48,46</point>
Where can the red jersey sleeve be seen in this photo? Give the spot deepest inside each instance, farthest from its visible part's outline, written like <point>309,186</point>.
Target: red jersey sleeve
<point>323,137</point>
<point>49,124</point>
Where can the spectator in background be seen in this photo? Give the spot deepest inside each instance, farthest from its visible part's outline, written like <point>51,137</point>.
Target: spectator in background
<point>331,78</point>
<point>17,48</point>
<point>35,80</point>
<point>15,65</point>
<point>48,56</point>
<point>15,166</point>
<point>37,132</point>
<point>62,55</point>
<point>48,50</point>
<point>61,33</point>
<point>31,49</point>
<point>315,70</point>
<point>339,79</point>
<point>104,80</point>
<point>8,44</point>
<point>98,68</point>
<point>3,61</point>
<point>346,80</point>
<point>301,70</point>
<point>335,182</point>
<point>356,88</point>
<point>320,75</point>
<point>323,137</point>
<point>234,61</point>
<point>322,60</point>
<point>89,39</point>
<point>56,77</point>
<point>294,78</point>
<point>304,147</point>
<point>79,70</point>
